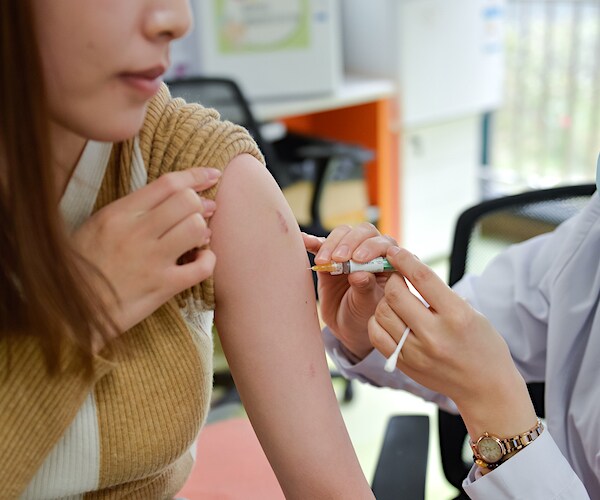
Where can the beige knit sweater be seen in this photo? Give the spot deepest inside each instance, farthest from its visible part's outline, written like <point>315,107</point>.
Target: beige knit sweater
<point>147,405</point>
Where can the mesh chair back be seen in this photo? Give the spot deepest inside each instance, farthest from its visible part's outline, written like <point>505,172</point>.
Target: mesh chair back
<point>214,93</point>
<point>482,232</point>
<point>487,228</point>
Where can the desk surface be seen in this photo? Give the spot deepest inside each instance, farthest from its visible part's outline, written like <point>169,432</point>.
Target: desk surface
<point>353,91</point>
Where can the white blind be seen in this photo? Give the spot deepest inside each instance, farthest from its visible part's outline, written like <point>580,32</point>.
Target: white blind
<point>548,130</point>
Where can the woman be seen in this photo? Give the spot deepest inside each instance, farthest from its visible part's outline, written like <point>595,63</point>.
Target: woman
<point>105,347</point>
<point>542,322</point>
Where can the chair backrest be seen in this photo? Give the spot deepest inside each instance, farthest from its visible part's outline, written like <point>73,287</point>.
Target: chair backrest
<point>482,231</point>
<point>227,98</point>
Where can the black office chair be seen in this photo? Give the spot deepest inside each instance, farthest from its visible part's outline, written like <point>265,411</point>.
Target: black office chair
<point>481,232</point>
<point>290,159</point>
<point>402,465</point>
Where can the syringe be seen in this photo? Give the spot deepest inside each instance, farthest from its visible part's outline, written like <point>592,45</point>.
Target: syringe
<point>378,265</point>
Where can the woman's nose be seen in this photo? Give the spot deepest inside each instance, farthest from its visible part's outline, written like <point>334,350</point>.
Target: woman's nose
<point>168,19</point>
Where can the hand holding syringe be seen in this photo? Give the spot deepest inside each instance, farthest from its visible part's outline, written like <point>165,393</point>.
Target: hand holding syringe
<point>378,265</point>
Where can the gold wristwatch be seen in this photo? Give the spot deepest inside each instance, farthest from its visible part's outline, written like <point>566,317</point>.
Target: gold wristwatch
<point>490,451</point>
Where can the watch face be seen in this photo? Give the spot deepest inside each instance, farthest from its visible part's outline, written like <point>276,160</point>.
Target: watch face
<point>489,449</point>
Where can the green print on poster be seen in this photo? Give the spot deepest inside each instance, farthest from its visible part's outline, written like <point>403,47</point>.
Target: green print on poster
<point>259,26</point>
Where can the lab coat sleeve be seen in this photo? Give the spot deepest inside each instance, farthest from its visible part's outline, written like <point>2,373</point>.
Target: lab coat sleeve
<point>513,293</point>
<point>538,472</point>
<point>370,370</point>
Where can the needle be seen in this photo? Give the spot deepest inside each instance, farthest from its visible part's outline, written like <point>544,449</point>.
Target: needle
<point>327,268</point>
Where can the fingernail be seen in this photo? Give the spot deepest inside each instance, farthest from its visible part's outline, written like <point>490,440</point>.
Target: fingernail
<point>323,256</point>
<point>393,251</point>
<point>212,174</point>
<point>360,255</point>
<point>208,206</point>
<point>341,252</point>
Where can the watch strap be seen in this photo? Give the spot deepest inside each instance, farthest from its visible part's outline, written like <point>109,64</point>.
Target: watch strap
<point>519,442</point>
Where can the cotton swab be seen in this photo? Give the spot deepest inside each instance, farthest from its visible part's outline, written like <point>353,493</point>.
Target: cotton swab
<point>390,364</point>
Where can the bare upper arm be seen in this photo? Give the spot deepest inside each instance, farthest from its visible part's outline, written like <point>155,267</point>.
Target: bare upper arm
<point>267,320</point>
<point>261,262</point>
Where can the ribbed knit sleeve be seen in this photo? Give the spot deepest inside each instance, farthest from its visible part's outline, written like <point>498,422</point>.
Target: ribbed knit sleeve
<point>35,408</point>
<point>177,135</point>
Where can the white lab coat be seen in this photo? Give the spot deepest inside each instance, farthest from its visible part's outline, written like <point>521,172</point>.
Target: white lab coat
<point>542,296</point>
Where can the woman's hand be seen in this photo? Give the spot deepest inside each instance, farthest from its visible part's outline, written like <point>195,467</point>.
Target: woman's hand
<point>451,349</point>
<point>137,241</point>
<point>348,301</point>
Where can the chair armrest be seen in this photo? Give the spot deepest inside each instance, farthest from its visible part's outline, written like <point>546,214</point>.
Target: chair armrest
<point>328,157</point>
<point>402,466</point>
<point>297,147</point>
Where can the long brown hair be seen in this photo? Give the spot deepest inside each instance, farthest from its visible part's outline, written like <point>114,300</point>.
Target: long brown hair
<point>43,292</point>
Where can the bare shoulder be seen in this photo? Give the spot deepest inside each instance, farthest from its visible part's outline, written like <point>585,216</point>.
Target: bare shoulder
<point>254,233</point>
<point>249,193</point>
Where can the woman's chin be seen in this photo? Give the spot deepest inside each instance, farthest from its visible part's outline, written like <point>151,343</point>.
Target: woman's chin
<point>116,129</point>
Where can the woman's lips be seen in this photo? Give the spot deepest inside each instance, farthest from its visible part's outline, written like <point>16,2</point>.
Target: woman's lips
<point>146,82</point>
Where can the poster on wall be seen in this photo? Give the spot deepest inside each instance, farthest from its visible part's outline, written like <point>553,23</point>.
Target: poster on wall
<point>272,48</point>
<point>262,25</point>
